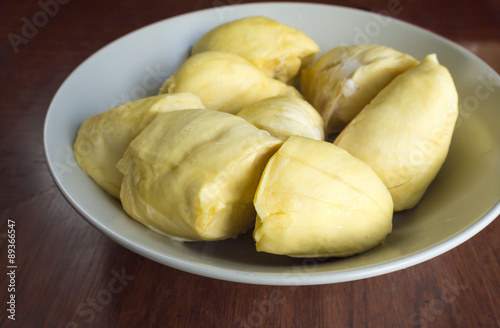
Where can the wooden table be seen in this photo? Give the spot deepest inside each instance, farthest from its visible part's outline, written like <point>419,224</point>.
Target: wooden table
<point>71,275</point>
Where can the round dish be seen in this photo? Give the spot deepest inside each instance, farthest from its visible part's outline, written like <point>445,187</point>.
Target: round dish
<point>463,199</point>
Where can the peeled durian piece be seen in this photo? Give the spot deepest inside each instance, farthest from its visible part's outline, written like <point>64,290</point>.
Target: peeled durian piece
<point>405,132</point>
<point>346,78</point>
<point>284,116</point>
<point>316,200</point>
<point>102,139</point>
<point>192,174</point>
<point>225,81</point>
<point>279,50</point>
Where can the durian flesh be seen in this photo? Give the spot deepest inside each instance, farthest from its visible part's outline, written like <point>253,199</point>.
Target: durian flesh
<point>280,51</point>
<point>346,78</point>
<point>284,116</point>
<point>316,200</point>
<point>405,132</point>
<point>102,139</point>
<point>192,174</point>
<point>225,81</point>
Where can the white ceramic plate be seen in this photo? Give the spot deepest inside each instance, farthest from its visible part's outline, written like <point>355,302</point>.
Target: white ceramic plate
<point>463,200</point>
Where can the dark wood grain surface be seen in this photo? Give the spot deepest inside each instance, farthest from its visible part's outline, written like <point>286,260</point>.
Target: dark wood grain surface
<point>70,275</point>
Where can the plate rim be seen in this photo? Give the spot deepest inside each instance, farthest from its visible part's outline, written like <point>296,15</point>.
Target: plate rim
<point>275,279</point>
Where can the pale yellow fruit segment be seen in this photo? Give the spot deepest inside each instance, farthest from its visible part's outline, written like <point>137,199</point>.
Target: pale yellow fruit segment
<point>345,79</point>
<point>279,50</point>
<point>316,200</point>
<point>225,81</point>
<point>102,139</point>
<point>405,132</point>
<point>192,174</point>
<point>284,116</point>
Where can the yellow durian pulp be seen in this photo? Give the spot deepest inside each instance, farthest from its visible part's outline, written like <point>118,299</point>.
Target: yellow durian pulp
<point>316,200</point>
<point>192,174</point>
<point>345,79</point>
<point>102,139</point>
<point>225,81</point>
<point>284,116</point>
<point>405,132</point>
<point>279,50</point>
